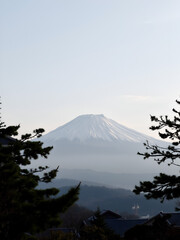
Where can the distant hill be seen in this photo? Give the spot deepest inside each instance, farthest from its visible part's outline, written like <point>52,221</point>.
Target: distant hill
<point>61,182</point>
<point>68,177</point>
<point>90,177</point>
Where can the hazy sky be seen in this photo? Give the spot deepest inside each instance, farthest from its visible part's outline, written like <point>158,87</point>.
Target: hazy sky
<point>63,58</point>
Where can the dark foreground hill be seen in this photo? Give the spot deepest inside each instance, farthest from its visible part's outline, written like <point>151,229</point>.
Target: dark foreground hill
<point>120,200</point>
<point>116,199</point>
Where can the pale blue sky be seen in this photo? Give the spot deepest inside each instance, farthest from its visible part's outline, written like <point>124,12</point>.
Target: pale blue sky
<point>63,58</point>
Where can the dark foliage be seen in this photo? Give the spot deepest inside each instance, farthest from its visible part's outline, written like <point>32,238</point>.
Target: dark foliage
<point>163,186</point>
<point>23,207</point>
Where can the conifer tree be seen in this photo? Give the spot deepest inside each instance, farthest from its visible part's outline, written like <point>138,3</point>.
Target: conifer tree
<point>23,207</point>
<point>163,186</point>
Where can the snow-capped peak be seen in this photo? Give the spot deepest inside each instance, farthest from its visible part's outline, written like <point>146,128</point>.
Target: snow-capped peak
<point>92,126</point>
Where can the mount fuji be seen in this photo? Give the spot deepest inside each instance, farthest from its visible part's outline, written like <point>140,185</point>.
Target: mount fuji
<point>97,143</point>
<point>97,127</point>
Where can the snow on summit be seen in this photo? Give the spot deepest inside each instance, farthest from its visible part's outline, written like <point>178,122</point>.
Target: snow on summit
<point>92,126</point>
